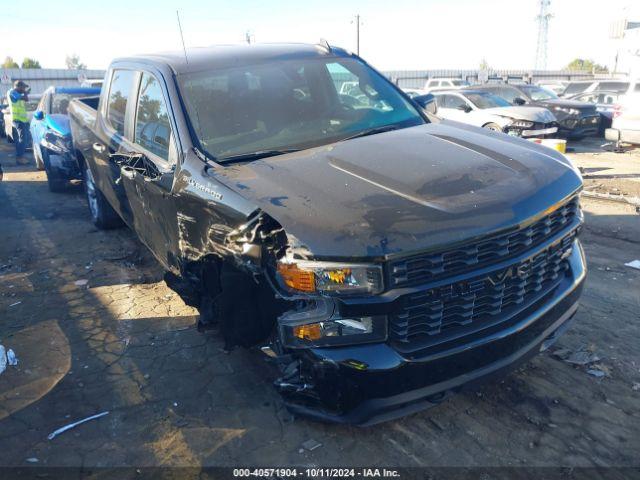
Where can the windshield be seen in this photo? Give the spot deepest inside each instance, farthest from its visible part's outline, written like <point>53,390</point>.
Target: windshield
<point>60,101</point>
<point>290,104</point>
<point>460,83</point>
<point>487,100</point>
<point>538,93</point>
<point>31,105</point>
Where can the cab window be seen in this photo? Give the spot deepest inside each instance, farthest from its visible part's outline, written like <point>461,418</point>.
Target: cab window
<point>508,93</point>
<point>453,101</point>
<point>152,130</point>
<point>119,92</point>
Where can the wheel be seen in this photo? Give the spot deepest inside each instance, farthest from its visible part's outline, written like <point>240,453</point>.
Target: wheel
<point>56,185</point>
<point>37,154</point>
<point>103,215</point>
<point>493,126</point>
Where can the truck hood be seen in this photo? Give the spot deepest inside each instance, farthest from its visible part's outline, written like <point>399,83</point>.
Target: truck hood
<point>59,123</point>
<point>405,190</point>
<point>561,102</point>
<point>533,114</point>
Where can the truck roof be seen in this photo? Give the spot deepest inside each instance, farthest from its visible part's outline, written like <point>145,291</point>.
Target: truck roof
<point>221,56</point>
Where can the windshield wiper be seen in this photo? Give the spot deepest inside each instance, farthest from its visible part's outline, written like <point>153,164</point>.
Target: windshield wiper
<point>247,157</point>
<point>372,131</point>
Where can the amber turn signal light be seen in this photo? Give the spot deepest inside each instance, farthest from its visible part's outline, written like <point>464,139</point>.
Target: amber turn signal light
<point>297,279</point>
<point>311,331</point>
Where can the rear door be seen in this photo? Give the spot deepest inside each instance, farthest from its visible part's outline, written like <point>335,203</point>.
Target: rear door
<point>111,132</point>
<point>148,178</point>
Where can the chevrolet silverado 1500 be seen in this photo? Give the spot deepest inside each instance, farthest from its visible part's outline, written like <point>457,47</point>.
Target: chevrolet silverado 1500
<point>381,257</point>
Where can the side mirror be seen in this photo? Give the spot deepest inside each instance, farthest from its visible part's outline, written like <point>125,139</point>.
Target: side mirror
<point>465,108</point>
<point>427,102</point>
<point>38,115</point>
<point>519,101</point>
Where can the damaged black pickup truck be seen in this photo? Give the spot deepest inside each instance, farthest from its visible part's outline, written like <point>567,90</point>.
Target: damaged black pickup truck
<point>381,257</point>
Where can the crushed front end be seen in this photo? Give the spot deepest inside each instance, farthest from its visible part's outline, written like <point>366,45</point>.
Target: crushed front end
<point>386,339</point>
<point>59,159</point>
<point>530,129</point>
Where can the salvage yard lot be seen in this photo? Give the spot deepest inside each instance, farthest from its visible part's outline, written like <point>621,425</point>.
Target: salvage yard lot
<point>96,329</point>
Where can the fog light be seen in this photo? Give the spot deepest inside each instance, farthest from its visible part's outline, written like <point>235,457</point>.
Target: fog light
<point>336,332</point>
<point>313,331</point>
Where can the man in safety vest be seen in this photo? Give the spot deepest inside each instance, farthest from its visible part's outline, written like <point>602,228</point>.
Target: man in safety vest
<point>17,98</point>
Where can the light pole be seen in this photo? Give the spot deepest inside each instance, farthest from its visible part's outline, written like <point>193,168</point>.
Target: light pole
<point>357,22</point>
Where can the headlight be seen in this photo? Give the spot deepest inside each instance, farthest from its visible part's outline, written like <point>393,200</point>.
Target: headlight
<point>55,142</point>
<point>522,124</point>
<point>319,325</point>
<point>326,278</point>
<point>570,111</point>
<point>343,331</point>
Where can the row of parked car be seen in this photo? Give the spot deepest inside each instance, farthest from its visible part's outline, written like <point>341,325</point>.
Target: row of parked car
<point>50,132</point>
<point>572,109</point>
<point>547,110</point>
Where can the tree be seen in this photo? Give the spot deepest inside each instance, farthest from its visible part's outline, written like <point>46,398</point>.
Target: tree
<point>30,63</point>
<point>10,63</point>
<point>484,65</point>
<point>586,65</point>
<point>73,62</point>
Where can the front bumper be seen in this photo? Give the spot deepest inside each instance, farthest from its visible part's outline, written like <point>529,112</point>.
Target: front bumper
<point>60,164</point>
<point>621,135</point>
<point>369,384</point>
<point>579,126</point>
<point>539,130</point>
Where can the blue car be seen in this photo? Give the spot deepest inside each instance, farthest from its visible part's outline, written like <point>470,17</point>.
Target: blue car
<point>51,135</point>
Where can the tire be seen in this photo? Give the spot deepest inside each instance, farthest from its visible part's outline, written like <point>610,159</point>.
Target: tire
<point>37,155</point>
<point>56,185</point>
<point>493,126</point>
<point>102,214</point>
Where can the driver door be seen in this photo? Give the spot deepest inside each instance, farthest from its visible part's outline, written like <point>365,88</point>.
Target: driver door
<point>452,107</point>
<point>147,169</point>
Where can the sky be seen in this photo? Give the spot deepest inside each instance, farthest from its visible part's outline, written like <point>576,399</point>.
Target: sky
<point>399,34</point>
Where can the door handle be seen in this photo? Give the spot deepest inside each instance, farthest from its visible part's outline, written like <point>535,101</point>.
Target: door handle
<point>98,147</point>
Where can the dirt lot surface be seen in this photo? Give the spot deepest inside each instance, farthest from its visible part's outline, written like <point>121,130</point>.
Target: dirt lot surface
<point>96,329</point>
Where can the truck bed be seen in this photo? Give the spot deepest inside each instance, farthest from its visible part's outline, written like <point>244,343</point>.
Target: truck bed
<point>82,114</point>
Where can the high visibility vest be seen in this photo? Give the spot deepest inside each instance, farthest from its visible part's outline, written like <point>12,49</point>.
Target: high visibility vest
<point>18,110</point>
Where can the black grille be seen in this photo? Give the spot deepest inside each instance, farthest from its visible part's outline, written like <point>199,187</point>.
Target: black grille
<point>424,268</point>
<point>477,303</point>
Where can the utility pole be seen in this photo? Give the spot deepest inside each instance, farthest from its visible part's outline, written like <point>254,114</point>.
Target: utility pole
<point>543,33</point>
<point>357,22</point>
